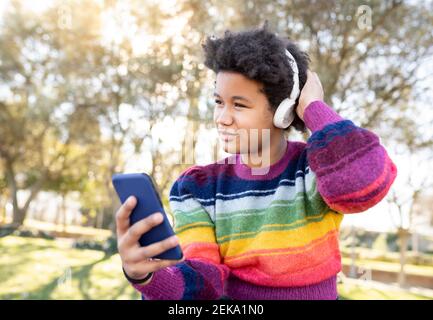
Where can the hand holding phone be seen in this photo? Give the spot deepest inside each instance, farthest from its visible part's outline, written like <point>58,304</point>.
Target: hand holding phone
<point>146,241</point>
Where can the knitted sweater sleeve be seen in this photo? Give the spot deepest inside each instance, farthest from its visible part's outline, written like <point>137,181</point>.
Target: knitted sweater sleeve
<point>201,276</point>
<point>353,170</point>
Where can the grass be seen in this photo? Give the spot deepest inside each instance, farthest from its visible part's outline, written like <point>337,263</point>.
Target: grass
<point>355,290</point>
<point>70,230</point>
<point>87,232</point>
<point>32,268</point>
<point>384,255</point>
<point>391,266</point>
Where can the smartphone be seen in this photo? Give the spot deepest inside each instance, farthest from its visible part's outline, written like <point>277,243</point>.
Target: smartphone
<point>142,187</point>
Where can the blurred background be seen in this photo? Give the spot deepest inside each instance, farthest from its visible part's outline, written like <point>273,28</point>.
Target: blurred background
<point>91,88</point>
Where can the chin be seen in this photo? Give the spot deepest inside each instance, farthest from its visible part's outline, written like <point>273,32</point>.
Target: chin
<point>230,147</point>
<point>233,147</point>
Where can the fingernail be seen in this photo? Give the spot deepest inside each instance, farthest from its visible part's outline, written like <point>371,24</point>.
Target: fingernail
<point>157,217</point>
<point>174,239</point>
<point>129,200</point>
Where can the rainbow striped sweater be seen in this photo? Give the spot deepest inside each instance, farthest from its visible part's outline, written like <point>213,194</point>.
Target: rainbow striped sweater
<point>273,236</point>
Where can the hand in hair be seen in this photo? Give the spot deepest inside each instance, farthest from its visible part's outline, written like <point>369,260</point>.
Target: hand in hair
<point>312,91</point>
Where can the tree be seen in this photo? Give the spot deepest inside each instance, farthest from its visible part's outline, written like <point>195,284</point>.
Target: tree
<point>38,127</point>
<point>413,184</point>
<point>100,77</point>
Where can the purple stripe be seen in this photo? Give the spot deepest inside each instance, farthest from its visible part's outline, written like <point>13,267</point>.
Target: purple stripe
<point>351,145</point>
<point>238,289</point>
<point>352,176</point>
<point>293,150</point>
<point>384,185</point>
<point>318,114</point>
<point>166,284</point>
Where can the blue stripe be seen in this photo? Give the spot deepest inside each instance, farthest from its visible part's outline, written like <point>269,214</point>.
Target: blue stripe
<point>193,282</point>
<point>232,186</point>
<point>256,192</point>
<point>321,138</point>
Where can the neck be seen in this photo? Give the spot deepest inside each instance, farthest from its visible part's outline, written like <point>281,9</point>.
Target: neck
<point>275,150</point>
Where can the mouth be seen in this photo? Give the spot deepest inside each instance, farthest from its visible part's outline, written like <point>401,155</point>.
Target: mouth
<point>227,136</point>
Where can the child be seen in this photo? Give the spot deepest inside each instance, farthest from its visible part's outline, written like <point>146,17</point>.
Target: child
<point>262,236</point>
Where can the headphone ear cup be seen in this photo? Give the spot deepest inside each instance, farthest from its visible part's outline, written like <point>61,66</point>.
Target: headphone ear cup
<point>285,114</point>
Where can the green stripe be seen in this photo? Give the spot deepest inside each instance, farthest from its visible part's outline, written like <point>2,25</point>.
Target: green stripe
<point>305,208</point>
<point>181,219</point>
<point>313,203</point>
<point>308,208</point>
<point>253,220</point>
<point>254,233</point>
<point>197,210</point>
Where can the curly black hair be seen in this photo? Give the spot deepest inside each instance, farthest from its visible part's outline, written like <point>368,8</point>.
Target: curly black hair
<point>259,54</point>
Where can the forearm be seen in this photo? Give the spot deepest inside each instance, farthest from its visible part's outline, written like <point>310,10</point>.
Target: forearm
<point>190,280</point>
<point>354,171</point>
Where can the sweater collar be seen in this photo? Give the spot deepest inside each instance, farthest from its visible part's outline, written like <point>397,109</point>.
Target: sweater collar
<point>245,172</point>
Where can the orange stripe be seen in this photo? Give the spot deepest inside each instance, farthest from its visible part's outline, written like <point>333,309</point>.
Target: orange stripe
<point>278,265</point>
<point>202,250</point>
<point>207,253</point>
<point>328,237</point>
<point>301,277</point>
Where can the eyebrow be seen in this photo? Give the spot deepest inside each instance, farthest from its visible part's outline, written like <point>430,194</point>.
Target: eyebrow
<point>234,97</point>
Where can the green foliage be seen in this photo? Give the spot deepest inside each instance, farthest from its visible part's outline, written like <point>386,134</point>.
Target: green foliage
<point>380,243</point>
<point>108,246</point>
<point>392,242</point>
<point>75,96</point>
<point>33,234</point>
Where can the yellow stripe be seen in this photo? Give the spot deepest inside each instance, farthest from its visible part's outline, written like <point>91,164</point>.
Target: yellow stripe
<point>203,234</point>
<point>269,225</point>
<point>324,239</point>
<point>283,239</point>
<point>180,229</point>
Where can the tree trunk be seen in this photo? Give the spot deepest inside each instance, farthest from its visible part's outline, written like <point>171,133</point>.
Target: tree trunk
<point>3,210</point>
<point>64,213</point>
<point>18,217</point>
<point>403,236</point>
<point>415,241</point>
<point>114,208</point>
<point>353,271</point>
<point>18,214</point>
<point>57,219</point>
<point>100,220</point>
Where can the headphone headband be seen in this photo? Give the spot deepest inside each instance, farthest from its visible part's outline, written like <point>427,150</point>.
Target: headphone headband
<point>295,90</point>
<point>285,112</point>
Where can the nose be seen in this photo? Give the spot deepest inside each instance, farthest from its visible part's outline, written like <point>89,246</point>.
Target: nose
<point>223,116</point>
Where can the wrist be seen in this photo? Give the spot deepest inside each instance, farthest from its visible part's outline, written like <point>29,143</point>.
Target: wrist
<point>303,105</point>
<point>318,114</point>
<point>143,280</point>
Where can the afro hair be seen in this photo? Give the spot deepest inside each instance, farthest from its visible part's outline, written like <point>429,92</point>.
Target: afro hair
<point>259,54</point>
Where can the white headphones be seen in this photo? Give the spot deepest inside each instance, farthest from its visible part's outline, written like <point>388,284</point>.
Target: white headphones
<point>285,112</point>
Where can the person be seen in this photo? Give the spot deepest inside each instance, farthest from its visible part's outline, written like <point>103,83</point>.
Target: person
<point>261,236</point>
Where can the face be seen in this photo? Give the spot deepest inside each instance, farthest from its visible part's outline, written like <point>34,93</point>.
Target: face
<point>242,114</point>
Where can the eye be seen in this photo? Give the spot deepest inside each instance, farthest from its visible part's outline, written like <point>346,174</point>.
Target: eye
<point>218,101</point>
<point>238,105</point>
